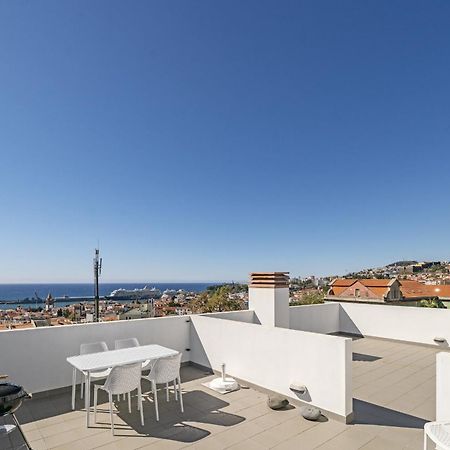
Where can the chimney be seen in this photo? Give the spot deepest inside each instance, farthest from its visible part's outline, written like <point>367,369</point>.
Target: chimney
<point>268,296</point>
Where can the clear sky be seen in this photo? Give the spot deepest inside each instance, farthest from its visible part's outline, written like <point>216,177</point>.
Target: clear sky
<point>202,140</point>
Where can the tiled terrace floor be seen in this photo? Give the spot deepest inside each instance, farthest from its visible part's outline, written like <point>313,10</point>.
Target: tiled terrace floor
<point>394,392</point>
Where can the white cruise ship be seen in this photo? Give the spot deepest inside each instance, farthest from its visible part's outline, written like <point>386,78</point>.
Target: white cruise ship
<point>135,294</point>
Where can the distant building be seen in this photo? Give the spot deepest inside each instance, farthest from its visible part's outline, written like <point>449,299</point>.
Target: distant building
<point>420,266</point>
<point>140,311</point>
<point>407,292</point>
<point>49,302</point>
<point>369,290</point>
<point>40,322</point>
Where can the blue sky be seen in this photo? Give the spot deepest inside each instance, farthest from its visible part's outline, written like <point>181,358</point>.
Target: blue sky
<point>203,140</point>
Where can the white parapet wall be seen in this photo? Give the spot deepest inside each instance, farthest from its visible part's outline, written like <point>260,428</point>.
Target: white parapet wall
<point>239,316</point>
<point>321,318</point>
<point>274,358</point>
<point>36,358</point>
<point>443,386</point>
<point>402,323</point>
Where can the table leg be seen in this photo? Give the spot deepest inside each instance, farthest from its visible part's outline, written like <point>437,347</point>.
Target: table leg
<point>87,395</point>
<point>74,383</point>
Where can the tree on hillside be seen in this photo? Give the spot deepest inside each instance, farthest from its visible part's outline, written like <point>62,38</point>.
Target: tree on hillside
<point>217,301</point>
<point>310,298</point>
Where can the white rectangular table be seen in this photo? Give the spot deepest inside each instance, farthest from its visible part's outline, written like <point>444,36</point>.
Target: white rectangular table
<point>95,362</point>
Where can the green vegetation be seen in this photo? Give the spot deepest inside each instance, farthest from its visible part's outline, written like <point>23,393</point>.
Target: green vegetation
<point>219,298</point>
<point>310,298</point>
<point>435,303</point>
<point>232,288</point>
<point>438,268</point>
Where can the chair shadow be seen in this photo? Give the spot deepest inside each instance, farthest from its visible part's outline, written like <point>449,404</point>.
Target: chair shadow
<point>174,424</point>
<point>199,407</point>
<point>366,413</point>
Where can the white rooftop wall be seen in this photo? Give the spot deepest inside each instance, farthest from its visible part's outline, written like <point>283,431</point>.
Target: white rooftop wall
<point>442,386</point>
<point>36,358</point>
<point>273,358</point>
<point>239,316</point>
<point>402,323</point>
<point>321,318</point>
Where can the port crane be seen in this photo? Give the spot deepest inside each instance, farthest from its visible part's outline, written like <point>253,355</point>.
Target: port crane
<point>37,298</point>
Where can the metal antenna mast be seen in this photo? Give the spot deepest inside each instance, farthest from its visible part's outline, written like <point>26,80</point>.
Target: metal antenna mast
<point>97,273</point>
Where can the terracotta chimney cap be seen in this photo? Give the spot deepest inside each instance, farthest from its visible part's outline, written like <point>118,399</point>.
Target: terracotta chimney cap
<point>269,279</point>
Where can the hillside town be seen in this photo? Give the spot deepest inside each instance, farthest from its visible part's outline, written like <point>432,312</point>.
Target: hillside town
<point>170,302</point>
<point>406,283</point>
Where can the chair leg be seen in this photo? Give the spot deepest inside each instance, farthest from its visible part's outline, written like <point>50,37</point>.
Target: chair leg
<point>424,440</point>
<point>95,402</point>
<point>139,403</point>
<point>141,410</point>
<point>175,389</point>
<point>87,396</point>
<point>83,381</point>
<point>111,412</point>
<point>181,395</point>
<point>74,383</point>
<point>155,397</point>
<point>167,392</point>
<point>129,402</point>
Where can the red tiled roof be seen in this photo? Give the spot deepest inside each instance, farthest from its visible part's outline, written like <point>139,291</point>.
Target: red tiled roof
<point>442,290</point>
<point>375,282</point>
<point>413,289</point>
<point>368,282</point>
<point>379,291</point>
<point>343,282</point>
<point>338,290</point>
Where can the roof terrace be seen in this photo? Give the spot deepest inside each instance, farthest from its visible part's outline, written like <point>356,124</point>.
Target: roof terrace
<point>371,369</point>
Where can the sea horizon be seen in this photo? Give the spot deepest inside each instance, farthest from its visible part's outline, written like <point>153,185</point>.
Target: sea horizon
<point>11,292</point>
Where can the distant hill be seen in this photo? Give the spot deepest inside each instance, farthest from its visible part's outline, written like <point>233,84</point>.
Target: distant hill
<point>402,263</point>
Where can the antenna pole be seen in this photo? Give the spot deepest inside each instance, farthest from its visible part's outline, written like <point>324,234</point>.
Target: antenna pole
<point>97,269</point>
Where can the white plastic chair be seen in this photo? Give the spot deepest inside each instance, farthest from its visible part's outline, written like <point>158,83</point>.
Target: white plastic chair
<point>121,380</point>
<point>128,343</point>
<point>93,347</point>
<point>165,371</point>
<point>439,433</point>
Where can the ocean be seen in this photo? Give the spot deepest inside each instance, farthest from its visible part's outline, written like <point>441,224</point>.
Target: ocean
<point>15,292</point>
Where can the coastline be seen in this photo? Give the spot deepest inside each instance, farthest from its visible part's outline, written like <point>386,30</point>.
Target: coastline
<point>15,294</point>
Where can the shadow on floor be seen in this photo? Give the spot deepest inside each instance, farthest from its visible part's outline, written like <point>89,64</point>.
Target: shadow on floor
<point>365,357</point>
<point>353,337</point>
<point>59,402</point>
<point>371,414</point>
<point>200,407</point>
